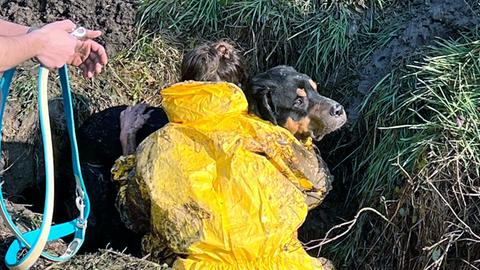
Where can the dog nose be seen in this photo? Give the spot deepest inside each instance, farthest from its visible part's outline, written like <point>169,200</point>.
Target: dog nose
<point>336,110</point>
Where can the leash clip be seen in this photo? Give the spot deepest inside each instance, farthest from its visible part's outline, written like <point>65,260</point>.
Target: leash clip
<point>72,248</point>
<point>81,222</point>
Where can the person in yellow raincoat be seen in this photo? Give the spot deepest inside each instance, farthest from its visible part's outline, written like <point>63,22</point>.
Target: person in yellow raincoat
<point>223,188</point>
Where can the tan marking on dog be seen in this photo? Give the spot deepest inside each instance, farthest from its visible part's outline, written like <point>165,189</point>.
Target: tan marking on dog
<point>296,127</point>
<point>301,92</point>
<point>313,84</point>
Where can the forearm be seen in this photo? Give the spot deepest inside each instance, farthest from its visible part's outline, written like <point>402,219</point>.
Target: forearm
<point>18,49</point>
<point>8,29</point>
<point>129,143</point>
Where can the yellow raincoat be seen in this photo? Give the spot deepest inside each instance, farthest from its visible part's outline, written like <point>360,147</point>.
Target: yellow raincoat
<point>222,187</point>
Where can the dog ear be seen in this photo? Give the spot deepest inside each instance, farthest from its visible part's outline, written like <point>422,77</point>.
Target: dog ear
<point>259,96</point>
<point>303,81</point>
<point>266,107</point>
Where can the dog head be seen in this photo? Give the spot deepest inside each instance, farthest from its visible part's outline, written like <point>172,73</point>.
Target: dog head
<point>290,99</point>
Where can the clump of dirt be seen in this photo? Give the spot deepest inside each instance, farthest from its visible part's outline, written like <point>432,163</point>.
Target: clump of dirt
<point>115,18</point>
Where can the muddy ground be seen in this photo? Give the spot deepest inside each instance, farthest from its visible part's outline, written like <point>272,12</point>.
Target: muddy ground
<point>103,259</point>
<point>114,17</point>
<point>420,22</point>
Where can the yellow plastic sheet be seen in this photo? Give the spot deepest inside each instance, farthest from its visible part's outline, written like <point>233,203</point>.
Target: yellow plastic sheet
<point>222,187</point>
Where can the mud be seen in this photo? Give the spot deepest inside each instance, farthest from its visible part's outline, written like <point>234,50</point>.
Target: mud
<point>420,25</point>
<point>114,17</point>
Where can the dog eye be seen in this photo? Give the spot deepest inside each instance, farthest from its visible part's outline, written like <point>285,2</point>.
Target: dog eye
<point>298,102</point>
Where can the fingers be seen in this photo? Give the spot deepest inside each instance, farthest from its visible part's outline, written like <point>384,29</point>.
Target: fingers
<point>91,34</point>
<point>139,108</point>
<point>100,52</point>
<point>133,117</point>
<point>89,68</point>
<point>93,58</point>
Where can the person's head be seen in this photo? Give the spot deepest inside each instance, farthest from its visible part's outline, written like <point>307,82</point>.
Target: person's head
<point>219,61</point>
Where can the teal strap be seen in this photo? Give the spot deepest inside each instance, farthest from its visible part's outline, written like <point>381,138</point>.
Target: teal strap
<point>77,171</point>
<point>76,227</point>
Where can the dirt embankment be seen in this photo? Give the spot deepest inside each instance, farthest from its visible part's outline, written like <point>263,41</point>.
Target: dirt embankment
<point>420,26</point>
<point>22,150</point>
<point>114,17</point>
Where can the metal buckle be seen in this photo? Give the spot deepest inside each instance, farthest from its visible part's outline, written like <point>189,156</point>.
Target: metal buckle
<point>81,207</point>
<point>72,247</point>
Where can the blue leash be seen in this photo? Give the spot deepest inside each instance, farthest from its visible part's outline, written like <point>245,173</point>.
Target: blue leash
<point>36,240</point>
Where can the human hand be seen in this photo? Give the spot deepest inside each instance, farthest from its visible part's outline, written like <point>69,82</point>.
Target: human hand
<point>89,55</point>
<point>56,44</point>
<point>133,118</point>
<point>58,47</point>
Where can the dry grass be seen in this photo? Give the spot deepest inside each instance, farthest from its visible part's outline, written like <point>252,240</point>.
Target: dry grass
<point>136,75</point>
<point>108,259</point>
<point>417,162</point>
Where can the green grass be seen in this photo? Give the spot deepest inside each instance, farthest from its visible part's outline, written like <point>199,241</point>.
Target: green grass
<point>419,126</point>
<point>327,42</point>
<point>314,36</point>
<point>182,16</point>
<point>419,163</point>
<point>140,73</point>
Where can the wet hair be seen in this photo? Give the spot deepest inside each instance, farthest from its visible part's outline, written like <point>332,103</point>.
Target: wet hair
<point>218,61</point>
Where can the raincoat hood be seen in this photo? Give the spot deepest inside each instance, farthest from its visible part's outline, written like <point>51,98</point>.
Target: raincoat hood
<point>193,101</point>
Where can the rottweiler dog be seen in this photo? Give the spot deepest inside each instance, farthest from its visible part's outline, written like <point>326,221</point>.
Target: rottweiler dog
<point>290,99</point>
<point>280,95</point>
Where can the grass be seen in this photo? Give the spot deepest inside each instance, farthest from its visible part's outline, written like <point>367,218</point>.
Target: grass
<point>181,16</point>
<point>417,158</point>
<point>314,36</point>
<point>103,259</point>
<point>144,69</point>
<point>135,75</point>
<point>327,42</point>
<point>108,259</point>
<point>419,163</point>
<point>264,26</point>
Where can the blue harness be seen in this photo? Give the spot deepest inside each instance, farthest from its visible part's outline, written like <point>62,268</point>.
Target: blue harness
<point>34,241</point>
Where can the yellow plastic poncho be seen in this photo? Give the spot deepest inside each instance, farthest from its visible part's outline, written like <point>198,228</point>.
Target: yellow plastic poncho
<point>222,187</point>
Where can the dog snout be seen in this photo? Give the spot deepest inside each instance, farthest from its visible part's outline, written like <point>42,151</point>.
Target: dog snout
<point>326,115</point>
<point>337,110</point>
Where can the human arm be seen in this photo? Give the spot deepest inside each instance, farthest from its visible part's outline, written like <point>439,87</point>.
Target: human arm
<point>17,49</point>
<point>8,29</point>
<point>132,120</point>
<point>53,46</point>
